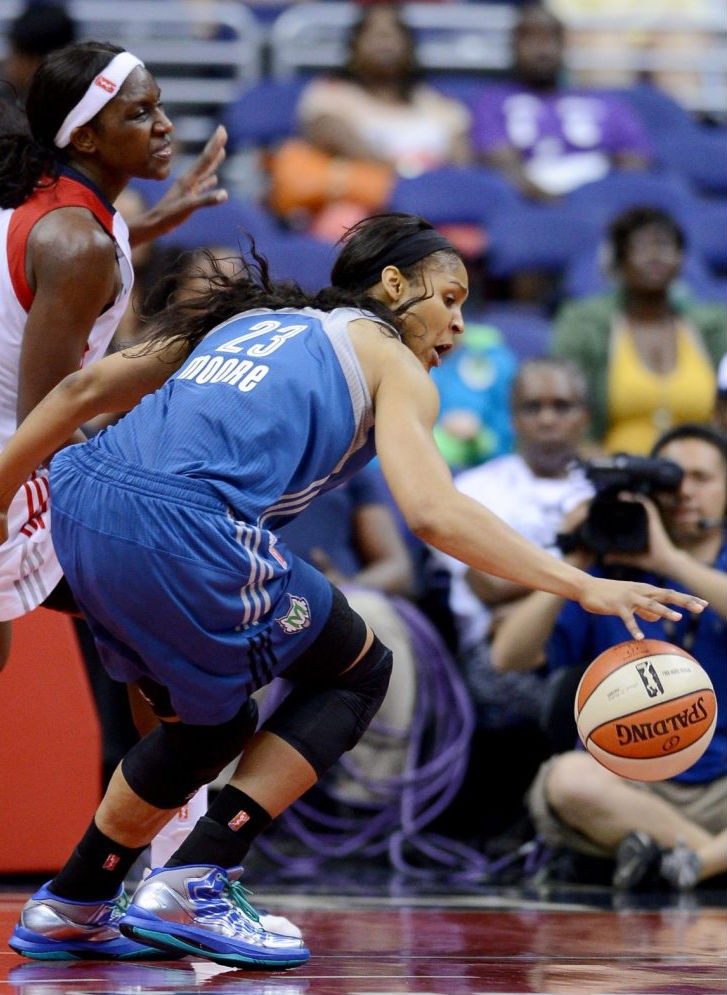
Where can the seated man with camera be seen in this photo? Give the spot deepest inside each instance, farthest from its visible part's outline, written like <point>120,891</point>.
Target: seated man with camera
<point>673,830</point>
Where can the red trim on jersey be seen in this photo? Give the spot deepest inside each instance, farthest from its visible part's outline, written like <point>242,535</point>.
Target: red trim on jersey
<point>38,491</point>
<point>29,499</point>
<point>65,192</point>
<point>35,518</point>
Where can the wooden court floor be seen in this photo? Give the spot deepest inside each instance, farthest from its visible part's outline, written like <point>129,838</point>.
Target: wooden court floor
<point>443,944</point>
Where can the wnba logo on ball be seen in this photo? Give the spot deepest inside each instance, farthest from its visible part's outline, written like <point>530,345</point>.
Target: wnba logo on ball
<point>640,732</point>
<point>650,679</point>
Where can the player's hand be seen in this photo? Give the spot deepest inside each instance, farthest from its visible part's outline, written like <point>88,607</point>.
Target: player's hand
<point>195,188</point>
<point>627,599</point>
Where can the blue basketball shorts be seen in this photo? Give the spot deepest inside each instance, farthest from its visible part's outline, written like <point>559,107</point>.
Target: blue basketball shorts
<point>175,589</point>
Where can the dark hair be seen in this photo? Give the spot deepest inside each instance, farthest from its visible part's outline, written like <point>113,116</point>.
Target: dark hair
<point>633,220</point>
<point>186,322</point>
<point>59,82</point>
<point>529,10</point>
<point>12,118</point>
<point>692,430</point>
<point>377,238</point>
<point>41,28</point>
<point>412,70</point>
<point>574,373</point>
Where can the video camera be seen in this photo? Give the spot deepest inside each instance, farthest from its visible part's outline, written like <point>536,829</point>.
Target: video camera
<point>614,525</point>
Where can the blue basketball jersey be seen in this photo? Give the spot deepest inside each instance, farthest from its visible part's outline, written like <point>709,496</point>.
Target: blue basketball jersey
<point>270,409</point>
<point>163,523</point>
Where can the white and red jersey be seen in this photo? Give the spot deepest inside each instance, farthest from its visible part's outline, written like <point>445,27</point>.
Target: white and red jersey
<point>29,569</point>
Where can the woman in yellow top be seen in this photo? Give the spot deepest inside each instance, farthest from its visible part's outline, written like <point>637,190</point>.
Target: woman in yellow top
<point>650,358</point>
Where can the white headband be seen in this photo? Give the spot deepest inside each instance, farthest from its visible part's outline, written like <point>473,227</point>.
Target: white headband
<point>103,88</point>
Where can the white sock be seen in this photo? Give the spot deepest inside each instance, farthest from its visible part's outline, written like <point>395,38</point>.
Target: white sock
<point>171,837</point>
<point>279,925</point>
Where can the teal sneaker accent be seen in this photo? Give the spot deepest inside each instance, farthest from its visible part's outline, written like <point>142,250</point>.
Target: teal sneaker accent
<point>204,910</point>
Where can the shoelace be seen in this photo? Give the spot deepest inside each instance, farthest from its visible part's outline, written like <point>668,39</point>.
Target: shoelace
<point>238,893</point>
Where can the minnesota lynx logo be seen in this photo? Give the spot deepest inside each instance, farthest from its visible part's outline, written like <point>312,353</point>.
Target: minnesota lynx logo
<point>297,617</point>
<point>650,679</point>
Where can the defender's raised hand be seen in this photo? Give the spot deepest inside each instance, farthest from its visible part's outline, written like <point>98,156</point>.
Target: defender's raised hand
<point>197,187</point>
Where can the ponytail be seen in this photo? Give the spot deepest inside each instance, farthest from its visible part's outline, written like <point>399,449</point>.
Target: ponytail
<point>24,165</point>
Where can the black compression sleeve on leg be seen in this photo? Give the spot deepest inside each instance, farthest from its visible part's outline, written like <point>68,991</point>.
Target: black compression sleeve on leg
<point>172,761</point>
<point>322,721</point>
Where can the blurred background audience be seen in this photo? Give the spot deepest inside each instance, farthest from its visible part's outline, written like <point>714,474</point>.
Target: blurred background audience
<point>547,136</point>
<point>38,29</point>
<point>376,111</point>
<point>474,388</point>
<point>649,350</point>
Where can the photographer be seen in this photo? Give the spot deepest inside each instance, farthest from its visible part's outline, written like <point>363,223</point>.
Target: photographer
<point>575,802</point>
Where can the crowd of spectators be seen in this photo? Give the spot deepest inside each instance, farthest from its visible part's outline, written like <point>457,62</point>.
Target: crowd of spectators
<point>592,237</point>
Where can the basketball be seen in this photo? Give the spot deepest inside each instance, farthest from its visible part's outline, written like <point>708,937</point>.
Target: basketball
<point>645,709</point>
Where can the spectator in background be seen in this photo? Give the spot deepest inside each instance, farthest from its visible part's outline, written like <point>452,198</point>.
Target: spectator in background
<point>474,388</point>
<point>666,39</point>
<point>720,401</point>
<point>39,29</point>
<point>377,109</point>
<point>547,137</point>
<point>649,355</point>
<point>577,803</point>
<point>531,490</point>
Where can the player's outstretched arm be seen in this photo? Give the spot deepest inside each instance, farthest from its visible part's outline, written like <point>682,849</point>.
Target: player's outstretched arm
<point>197,187</point>
<point>114,384</point>
<point>406,406</point>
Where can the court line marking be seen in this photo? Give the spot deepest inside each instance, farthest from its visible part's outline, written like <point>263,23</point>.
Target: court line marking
<point>423,901</point>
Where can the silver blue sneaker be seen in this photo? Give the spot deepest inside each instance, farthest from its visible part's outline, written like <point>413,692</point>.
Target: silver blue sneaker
<point>204,910</point>
<point>53,928</point>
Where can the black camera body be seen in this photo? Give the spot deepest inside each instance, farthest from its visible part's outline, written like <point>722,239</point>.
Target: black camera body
<point>614,525</point>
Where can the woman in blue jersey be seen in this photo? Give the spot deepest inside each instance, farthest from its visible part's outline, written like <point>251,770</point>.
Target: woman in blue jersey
<point>254,398</point>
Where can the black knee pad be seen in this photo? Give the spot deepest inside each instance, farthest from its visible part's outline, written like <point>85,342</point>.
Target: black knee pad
<point>323,720</point>
<point>169,764</point>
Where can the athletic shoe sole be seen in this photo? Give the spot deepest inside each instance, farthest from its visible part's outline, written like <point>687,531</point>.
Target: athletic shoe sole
<point>25,942</point>
<point>156,932</point>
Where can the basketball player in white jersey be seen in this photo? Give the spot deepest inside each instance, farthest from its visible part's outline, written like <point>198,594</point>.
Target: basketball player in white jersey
<point>95,121</point>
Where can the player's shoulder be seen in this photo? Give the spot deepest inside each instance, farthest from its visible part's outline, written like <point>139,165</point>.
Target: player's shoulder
<point>71,233</point>
<point>377,342</point>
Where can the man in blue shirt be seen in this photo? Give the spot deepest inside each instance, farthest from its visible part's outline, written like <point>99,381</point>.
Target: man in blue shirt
<point>574,801</point>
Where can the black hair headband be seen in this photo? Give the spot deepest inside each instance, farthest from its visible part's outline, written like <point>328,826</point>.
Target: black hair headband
<point>403,251</point>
